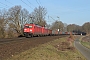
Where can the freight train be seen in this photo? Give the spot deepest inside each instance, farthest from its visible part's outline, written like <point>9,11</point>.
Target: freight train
<point>31,30</point>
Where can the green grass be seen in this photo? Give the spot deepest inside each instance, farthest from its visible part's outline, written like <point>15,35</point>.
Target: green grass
<point>86,44</point>
<point>49,51</point>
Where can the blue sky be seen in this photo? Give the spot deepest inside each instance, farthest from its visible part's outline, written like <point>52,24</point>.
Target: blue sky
<point>68,11</point>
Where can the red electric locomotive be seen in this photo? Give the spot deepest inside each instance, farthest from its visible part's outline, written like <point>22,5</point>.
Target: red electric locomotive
<point>31,30</point>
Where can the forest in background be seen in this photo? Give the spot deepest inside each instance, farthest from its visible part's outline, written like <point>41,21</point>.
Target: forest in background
<point>12,21</point>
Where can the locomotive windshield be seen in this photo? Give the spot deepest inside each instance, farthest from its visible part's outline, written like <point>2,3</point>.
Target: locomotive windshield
<point>28,26</point>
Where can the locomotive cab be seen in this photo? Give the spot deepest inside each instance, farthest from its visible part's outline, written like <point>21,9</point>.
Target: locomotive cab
<point>28,30</point>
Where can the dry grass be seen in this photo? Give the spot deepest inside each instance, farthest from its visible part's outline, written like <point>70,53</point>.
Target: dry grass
<point>54,50</point>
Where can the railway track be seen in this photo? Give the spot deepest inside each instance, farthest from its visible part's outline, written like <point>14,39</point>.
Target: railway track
<point>11,40</point>
<point>3,41</point>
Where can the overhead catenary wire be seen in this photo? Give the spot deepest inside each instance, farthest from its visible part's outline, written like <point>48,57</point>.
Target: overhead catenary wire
<point>49,20</point>
<point>9,2</point>
<point>51,17</point>
<point>40,2</point>
<point>4,4</point>
<point>27,4</point>
<point>30,3</point>
<point>37,2</point>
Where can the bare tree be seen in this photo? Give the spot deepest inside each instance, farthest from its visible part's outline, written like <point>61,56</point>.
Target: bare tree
<point>65,27</point>
<point>3,23</point>
<point>24,17</point>
<point>2,29</point>
<point>48,26</point>
<point>86,27</point>
<point>39,16</point>
<point>57,25</point>
<point>14,19</point>
<point>73,27</point>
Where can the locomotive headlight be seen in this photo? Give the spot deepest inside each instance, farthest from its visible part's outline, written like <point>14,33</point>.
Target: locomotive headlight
<point>25,29</point>
<point>30,30</point>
